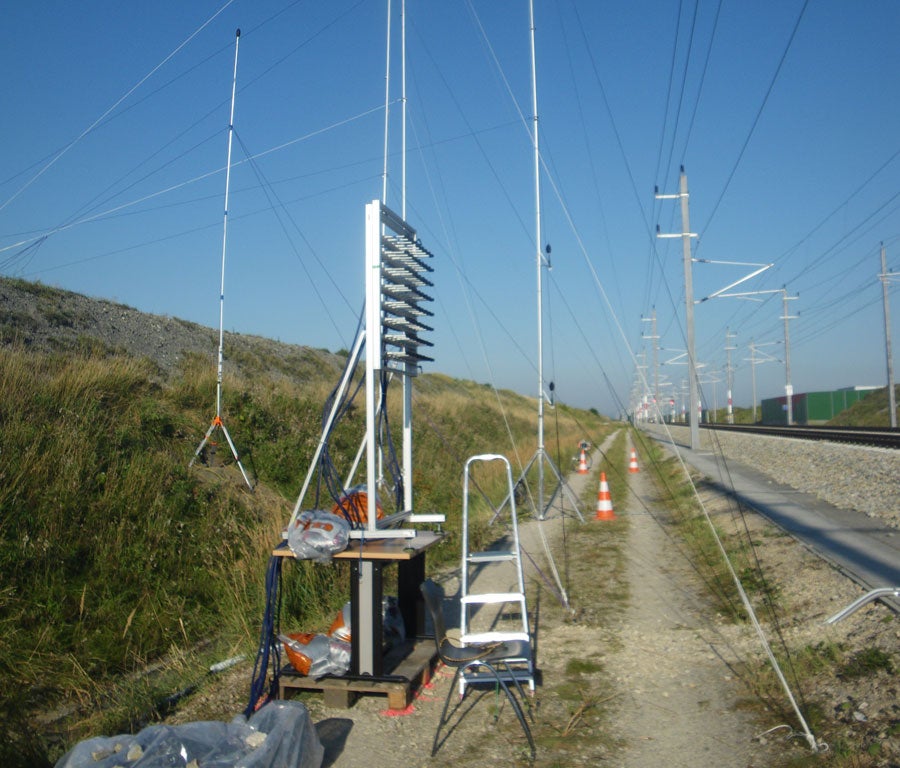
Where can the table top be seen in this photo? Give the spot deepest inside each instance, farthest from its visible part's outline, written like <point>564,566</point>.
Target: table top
<point>394,548</point>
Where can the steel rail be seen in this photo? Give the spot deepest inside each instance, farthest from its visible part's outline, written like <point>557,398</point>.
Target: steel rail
<point>882,437</point>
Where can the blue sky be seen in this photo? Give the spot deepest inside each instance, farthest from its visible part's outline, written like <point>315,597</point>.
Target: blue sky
<point>784,114</point>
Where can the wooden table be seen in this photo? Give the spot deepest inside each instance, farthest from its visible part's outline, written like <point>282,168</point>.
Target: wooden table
<point>367,559</point>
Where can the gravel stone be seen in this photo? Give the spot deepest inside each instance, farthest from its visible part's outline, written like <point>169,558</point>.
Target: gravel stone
<point>848,476</point>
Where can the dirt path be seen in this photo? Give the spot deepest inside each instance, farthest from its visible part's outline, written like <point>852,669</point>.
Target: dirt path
<point>678,695</point>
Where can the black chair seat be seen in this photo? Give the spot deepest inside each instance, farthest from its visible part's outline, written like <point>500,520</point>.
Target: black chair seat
<point>483,652</point>
<point>487,655</point>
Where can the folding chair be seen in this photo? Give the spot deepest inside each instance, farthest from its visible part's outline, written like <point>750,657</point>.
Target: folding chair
<point>488,655</point>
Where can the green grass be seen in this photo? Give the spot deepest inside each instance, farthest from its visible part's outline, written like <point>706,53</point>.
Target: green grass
<point>676,494</point>
<point>866,663</point>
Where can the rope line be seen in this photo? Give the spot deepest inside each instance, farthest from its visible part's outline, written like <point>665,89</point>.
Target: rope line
<point>122,98</point>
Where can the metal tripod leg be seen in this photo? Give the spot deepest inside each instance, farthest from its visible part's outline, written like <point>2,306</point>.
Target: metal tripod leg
<point>217,423</point>
<point>204,442</point>
<point>561,484</point>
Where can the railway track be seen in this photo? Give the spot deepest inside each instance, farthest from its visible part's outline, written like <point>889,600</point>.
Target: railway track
<point>882,437</point>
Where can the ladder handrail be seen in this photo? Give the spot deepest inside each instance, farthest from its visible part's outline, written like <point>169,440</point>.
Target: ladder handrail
<point>513,558</point>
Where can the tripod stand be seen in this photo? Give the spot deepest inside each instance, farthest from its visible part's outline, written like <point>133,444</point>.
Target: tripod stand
<point>540,455</point>
<point>217,422</point>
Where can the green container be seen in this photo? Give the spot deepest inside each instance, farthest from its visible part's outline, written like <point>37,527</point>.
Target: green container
<point>774,411</point>
<point>811,407</point>
<point>820,407</point>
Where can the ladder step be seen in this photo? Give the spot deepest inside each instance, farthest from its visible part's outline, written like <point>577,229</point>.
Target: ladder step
<point>491,556</point>
<point>491,598</point>
<point>493,637</point>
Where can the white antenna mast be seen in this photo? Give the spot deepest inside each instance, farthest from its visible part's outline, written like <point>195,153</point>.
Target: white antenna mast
<point>403,109</point>
<point>539,259</point>
<point>387,108</point>
<point>217,422</point>
<point>406,380</point>
<point>540,455</point>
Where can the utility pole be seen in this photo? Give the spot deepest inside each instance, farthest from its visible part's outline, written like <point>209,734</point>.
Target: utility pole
<point>712,413</point>
<point>885,278</point>
<point>655,338</point>
<point>641,386</point>
<point>788,387</point>
<point>715,383</point>
<point>753,376</point>
<point>686,235</point>
<point>729,374</point>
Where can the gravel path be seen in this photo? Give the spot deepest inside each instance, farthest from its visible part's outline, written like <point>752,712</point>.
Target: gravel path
<point>678,695</point>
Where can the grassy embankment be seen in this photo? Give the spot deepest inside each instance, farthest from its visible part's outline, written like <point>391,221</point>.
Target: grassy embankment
<point>125,574</point>
<point>872,411</point>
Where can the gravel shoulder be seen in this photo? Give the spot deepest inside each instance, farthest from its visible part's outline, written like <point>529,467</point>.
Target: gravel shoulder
<point>859,478</point>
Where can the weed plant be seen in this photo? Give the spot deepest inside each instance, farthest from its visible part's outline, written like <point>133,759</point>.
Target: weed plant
<point>575,701</point>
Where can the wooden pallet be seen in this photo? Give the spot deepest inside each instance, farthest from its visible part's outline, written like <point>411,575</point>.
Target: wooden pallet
<point>410,663</point>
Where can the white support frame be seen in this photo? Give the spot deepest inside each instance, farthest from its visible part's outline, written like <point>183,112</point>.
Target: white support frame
<point>395,270</point>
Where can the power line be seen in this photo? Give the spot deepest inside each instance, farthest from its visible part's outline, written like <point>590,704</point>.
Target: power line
<point>759,112</point>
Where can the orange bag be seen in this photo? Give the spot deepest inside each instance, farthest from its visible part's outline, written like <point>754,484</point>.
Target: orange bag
<point>314,655</point>
<point>340,627</point>
<point>296,645</point>
<point>354,505</point>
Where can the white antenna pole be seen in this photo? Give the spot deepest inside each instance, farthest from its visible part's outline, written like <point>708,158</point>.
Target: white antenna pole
<point>403,109</point>
<point>371,349</point>
<point>217,422</point>
<point>540,455</point>
<point>539,260</point>
<point>406,380</point>
<point>237,40</point>
<point>387,109</point>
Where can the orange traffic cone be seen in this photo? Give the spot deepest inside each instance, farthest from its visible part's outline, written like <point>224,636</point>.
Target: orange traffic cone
<point>582,464</point>
<point>632,465</point>
<point>604,502</point>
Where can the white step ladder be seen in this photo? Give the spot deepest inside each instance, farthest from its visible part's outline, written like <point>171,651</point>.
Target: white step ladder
<point>494,617</point>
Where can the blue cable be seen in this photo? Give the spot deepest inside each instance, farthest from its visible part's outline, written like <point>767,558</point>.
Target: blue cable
<point>269,649</point>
